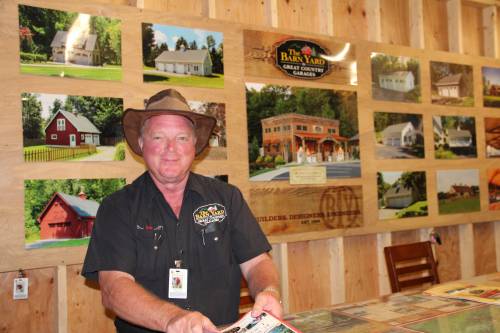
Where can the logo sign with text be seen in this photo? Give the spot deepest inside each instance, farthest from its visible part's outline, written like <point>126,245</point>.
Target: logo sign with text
<point>207,214</point>
<point>302,59</point>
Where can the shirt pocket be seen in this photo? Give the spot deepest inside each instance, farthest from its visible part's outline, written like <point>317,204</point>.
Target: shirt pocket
<point>147,267</point>
<point>215,257</point>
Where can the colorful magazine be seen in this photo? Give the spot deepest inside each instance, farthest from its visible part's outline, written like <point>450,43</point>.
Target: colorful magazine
<point>472,292</point>
<point>264,323</point>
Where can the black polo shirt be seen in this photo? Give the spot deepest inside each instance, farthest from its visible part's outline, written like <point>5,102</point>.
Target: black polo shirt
<point>137,232</point>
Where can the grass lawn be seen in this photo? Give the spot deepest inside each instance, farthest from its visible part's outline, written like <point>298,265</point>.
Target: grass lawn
<point>213,81</point>
<point>69,242</point>
<point>418,208</point>
<point>493,101</point>
<point>442,153</point>
<point>93,73</point>
<point>459,205</point>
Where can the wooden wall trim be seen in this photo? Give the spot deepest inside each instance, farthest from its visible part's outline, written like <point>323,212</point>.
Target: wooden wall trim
<point>325,15</point>
<point>62,299</point>
<point>374,20</point>
<point>271,12</point>
<point>490,31</point>
<point>466,236</point>
<point>416,14</point>
<point>337,272</point>
<point>383,239</point>
<point>280,258</point>
<point>454,12</point>
<point>497,244</point>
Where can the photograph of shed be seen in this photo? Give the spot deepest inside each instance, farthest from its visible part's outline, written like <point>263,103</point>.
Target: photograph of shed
<point>491,86</point>
<point>398,135</point>
<point>451,84</point>
<point>395,78</point>
<point>67,216</point>
<point>401,194</point>
<point>458,191</point>
<point>71,130</point>
<point>454,137</point>
<point>492,136</point>
<point>84,50</point>
<point>191,62</point>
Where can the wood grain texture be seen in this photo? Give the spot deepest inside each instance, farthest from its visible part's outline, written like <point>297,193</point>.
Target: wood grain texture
<point>472,25</point>
<point>395,23</point>
<point>350,19</point>
<point>435,26</point>
<point>85,310</point>
<point>405,237</point>
<point>309,271</point>
<point>183,7</point>
<point>248,12</point>
<point>35,314</point>
<point>484,248</point>
<point>448,254</point>
<point>361,272</point>
<point>298,15</point>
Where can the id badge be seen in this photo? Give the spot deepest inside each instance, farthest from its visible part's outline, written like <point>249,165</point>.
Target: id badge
<point>177,283</point>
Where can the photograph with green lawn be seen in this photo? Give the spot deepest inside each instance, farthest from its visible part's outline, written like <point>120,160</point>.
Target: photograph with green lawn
<point>451,84</point>
<point>491,86</point>
<point>61,212</point>
<point>454,137</point>
<point>69,44</point>
<point>182,56</point>
<point>458,191</point>
<point>72,128</point>
<point>401,194</point>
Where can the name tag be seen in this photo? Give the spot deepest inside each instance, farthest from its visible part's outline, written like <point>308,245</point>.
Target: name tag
<point>177,283</point>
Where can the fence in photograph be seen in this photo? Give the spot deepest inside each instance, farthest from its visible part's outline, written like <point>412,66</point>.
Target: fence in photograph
<point>47,154</point>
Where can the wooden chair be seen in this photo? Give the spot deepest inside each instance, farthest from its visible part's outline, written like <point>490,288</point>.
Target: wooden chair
<point>246,301</point>
<point>410,265</point>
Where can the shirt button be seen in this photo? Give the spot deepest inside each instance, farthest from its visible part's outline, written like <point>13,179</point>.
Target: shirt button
<point>178,225</point>
<point>181,251</point>
<point>216,238</point>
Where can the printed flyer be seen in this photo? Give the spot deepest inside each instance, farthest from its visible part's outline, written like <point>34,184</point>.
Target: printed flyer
<point>264,323</point>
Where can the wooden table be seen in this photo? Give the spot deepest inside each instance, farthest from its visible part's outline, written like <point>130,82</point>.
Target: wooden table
<point>408,312</point>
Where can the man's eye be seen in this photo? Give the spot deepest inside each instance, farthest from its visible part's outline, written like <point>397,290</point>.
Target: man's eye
<point>183,138</point>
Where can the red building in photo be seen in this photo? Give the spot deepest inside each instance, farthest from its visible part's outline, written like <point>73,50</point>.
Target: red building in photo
<point>71,130</point>
<point>67,216</point>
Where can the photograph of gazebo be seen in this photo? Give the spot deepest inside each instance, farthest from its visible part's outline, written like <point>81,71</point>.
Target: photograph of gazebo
<point>296,126</point>
<point>398,135</point>
<point>491,86</point>
<point>454,137</point>
<point>395,78</point>
<point>61,212</point>
<point>458,191</point>
<point>451,84</point>
<point>68,44</point>
<point>401,194</point>
<point>182,56</point>
<point>492,136</point>
<point>71,128</point>
<point>494,189</point>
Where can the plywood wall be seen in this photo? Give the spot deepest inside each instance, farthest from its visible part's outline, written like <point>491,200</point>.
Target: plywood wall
<point>318,269</point>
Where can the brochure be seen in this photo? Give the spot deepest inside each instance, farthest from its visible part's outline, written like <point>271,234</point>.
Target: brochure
<point>264,323</point>
<point>472,292</point>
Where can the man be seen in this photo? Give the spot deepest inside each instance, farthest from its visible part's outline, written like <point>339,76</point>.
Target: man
<point>169,249</point>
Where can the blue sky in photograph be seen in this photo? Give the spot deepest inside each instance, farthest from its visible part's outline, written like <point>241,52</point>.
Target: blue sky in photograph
<point>170,34</point>
<point>492,74</point>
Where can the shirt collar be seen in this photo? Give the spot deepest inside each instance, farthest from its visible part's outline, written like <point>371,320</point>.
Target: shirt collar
<point>193,185</point>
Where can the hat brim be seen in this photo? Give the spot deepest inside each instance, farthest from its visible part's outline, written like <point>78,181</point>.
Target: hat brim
<point>133,119</point>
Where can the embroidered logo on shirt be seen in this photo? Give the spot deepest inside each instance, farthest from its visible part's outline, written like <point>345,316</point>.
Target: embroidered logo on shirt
<point>207,214</point>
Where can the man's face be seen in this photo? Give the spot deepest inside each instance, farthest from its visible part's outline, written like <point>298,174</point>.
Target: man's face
<point>168,147</point>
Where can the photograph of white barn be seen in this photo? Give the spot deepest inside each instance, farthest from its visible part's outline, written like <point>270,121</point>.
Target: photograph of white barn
<point>399,135</point>
<point>190,62</point>
<point>85,50</point>
<point>459,138</point>
<point>402,81</point>
<point>449,86</point>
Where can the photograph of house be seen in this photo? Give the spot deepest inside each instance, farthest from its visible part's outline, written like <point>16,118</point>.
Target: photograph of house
<point>182,56</point>
<point>398,135</point>
<point>492,136</point>
<point>401,194</point>
<point>491,86</point>
<point>458,191</point>
<point>217,144</point>
<point>68,44</point>
<point>61,212</point>
<point>454,137</point>
<point>296,126</point>
<point>62,127</point>
<point>451,84</point>
<point>395,78</point>
<point>494,189</point>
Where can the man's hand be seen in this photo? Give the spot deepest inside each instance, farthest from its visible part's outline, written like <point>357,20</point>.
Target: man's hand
<point>268,300</point>
<point>190,322</point>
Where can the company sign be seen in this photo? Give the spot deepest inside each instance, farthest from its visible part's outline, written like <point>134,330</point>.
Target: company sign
<point>302,59</point>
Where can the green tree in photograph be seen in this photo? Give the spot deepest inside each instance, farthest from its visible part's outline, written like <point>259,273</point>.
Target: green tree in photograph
<point>415,181</point>
<point>108,33</point>
<point>193,45</point>
<point>181,42</point>
<point>32,116</point>
<point>148,44</point>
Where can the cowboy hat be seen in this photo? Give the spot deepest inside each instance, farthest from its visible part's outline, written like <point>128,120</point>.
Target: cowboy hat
<point>168,101</point>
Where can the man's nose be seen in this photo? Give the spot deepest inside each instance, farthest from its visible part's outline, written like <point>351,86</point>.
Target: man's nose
<point>170,144</point>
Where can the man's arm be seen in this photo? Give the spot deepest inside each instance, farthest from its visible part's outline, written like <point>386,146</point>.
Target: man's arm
<point>128,300</point>
<point>263,282</point>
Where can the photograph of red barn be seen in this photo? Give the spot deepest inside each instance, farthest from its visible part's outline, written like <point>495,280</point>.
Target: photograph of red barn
<point>70,129</point>
<point>67,216</point>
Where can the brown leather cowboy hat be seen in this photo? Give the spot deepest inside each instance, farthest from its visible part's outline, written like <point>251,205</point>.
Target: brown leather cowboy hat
<point>168,101</point>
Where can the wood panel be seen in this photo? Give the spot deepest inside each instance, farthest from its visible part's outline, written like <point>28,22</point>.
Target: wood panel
<point>298,15</point>
<point>84,302</point>
<point>361,272</point>
<point>249,12</point>
<point>448,254</point>
<point>472,27</point>
<point>35,314</point>
<point>183,7</point>
<point>395,27</point>
<point>405,237</point>
<point>435,25</point>
<point>484,248</point>
<point>309,269</point>
<point>350,19</point>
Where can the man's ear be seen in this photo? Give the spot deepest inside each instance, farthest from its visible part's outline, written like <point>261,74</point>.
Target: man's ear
<point>141,142</point>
